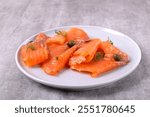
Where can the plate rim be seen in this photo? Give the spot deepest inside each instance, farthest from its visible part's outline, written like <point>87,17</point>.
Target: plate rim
<point>69,86</point>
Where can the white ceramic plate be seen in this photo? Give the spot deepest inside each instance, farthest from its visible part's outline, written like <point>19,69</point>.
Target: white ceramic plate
<point>69,79</point>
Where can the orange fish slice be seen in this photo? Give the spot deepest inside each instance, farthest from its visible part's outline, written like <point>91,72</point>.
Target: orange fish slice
<point>85,53</point>
<point>110,51</point>
<point>96,68</point>
<point>57,39</point>
<point>34,53</point>
<point>56,50</point>
<point>76,34</point>
<point>112,59</point>
<point>57,63</point>
<point>41,37</point>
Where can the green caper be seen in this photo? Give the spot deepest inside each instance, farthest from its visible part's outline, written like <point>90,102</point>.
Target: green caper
<point>117,57</point>
<point>71,43</point>
<point>98,56</point>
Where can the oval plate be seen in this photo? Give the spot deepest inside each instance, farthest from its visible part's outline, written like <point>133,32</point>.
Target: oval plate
<point>69,79</point>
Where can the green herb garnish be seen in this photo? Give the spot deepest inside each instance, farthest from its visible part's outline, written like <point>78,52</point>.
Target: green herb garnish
<point>98,56</point>
<point>31,47</point>
<point>57,58</point>
<point>110,41</point>
<point>59,32</point>
<point>71,43</point>
<point>117,57</point>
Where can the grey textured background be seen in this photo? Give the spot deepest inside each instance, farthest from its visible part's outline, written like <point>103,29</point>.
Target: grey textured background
<point>20,19</point>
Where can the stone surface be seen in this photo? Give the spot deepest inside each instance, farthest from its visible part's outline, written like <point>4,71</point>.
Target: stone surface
<point>20,19</point>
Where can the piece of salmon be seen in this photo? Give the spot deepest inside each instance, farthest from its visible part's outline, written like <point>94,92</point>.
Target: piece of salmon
<point>85,53</point>
<point>34,53</point>
<point>55,64</point>
<point>76,34</point>
<point>96,68</point>
<point>56,50</point>
<point>41,37</point>
<point>57,39</point>
<point>104,64</point>
<point>110,50</point>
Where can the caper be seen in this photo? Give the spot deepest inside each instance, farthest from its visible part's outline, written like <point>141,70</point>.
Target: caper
<point>117,57</point>
<point>71,43</point>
